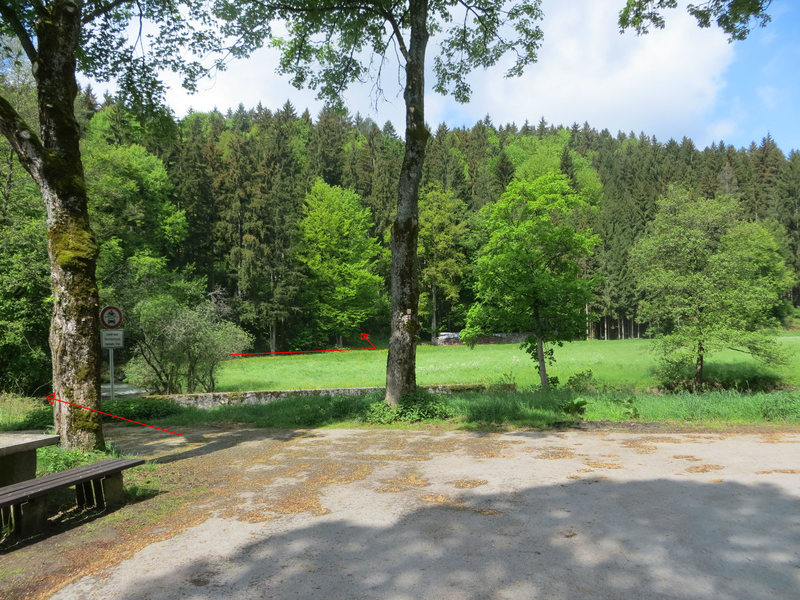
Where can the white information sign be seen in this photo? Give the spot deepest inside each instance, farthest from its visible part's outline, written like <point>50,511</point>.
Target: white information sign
<point>111,338</point>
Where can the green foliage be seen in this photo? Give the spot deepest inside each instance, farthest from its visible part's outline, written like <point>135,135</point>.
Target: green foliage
<point>25,303</point>
<point>130,202</point>
<point>574,407</point>
<point>413,408</point>
<point>140,409</point>
<point>443,225</point>
<point>781,407</point>
<point>732,16</point>
<point>529,272</point>
<point>709,280</point>
<point>582,381</point>
<point>627,404</point>
<point>52,459</point>
<point>350,28</point>
<point>340,257</point>
<point>181,345</point>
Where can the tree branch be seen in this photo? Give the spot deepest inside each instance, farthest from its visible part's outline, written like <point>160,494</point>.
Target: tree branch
<point>12,18</point>
<point>22,138</point>
<point>397,32</point>
<point>102,10</point>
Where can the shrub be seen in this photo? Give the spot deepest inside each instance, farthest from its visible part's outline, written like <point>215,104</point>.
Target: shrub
<point>572,406</point>
<point>141,409</point>
<point>412,408</point>
<point>582,381</point>
<point>628,405</point>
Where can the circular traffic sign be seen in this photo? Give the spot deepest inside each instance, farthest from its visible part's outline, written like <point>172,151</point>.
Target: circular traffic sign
<point>111,317</point>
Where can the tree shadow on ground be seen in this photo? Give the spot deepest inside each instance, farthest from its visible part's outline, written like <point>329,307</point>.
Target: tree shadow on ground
<point>167,448</point>
<point>591,538</point>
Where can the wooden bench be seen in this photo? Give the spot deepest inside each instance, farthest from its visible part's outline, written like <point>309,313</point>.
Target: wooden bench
<point>96,485</point>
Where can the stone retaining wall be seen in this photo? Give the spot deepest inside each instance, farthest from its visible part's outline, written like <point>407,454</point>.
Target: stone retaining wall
<point>452,339</point>
<point>210,400</point>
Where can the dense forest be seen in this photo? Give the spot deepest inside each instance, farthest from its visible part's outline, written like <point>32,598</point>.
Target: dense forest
<point>279,221</point>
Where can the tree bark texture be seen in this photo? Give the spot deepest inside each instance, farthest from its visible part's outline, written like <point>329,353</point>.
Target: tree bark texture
<point>542,363</point>
<point>55,164</point>
<point>698,367</point>
<point>401,376</point>
<point>433,314</point>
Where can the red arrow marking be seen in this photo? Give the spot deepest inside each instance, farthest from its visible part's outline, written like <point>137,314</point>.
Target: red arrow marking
<point>52,397</point>
<point>364,336</point>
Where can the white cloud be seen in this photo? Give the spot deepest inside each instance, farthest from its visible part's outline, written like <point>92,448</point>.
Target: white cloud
<point>665,83</point>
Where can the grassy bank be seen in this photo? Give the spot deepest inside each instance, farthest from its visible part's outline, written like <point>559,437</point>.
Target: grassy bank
<point>485,410</point>
<point>619,364</point>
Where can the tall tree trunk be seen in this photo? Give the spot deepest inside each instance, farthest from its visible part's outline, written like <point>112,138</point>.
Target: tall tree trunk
<point>698,368</point>
<point>55,164</point>
<point>622,328</point>
<point>605,324</point>
<point>433,314</point>
<point>542,363</point>
<point>401,377</point>
<point>273,337</point>
<point>588,333</point>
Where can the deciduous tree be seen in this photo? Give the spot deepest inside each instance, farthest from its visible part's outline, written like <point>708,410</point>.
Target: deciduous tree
<point>59,37</point>
<point>340,256</point>
<point>709,280</point>
<point>529,272</point>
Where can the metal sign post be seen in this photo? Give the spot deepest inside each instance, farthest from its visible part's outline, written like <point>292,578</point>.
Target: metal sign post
<point>111,369</point>
<point>111,338</point>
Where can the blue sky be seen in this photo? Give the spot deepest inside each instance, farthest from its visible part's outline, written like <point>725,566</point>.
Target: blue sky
<point>682,81</point>
<point>762,92</point>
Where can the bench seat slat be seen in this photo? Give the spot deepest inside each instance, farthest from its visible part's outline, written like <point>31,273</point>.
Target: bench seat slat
<point>91,471</point>
<point>32,488</point>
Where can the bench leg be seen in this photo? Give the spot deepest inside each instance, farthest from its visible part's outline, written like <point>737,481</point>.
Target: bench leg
<point>84,493</point>
<point>5,518</point>
<point>97,488</point>
<point>31,516</point>
<point>112,490</point>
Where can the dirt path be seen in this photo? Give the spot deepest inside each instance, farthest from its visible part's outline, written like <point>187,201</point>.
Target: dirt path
<point>425,514</point>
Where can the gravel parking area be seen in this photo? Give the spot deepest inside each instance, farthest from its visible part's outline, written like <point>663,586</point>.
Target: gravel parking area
<point>443,514</point>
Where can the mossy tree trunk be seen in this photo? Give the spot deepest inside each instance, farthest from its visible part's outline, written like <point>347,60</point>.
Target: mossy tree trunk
<point>401,375</point>
<point>54,162</point>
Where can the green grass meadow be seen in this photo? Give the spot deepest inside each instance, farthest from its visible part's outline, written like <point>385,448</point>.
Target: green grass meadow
<point>618,364</point>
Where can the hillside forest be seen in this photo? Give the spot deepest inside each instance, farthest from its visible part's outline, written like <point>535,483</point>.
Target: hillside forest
<point>268,228</point>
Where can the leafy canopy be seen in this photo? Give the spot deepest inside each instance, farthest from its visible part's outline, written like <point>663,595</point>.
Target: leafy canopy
<point>529,272</point>
<point>708,278</point>
<point>331,43</point>
<point>732,16</point>
<point>340,254</point>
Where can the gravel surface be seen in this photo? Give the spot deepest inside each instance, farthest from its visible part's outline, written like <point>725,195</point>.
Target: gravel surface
<point>427,514</point>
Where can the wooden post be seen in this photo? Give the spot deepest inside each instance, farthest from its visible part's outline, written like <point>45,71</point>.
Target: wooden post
<point>30,517</point>
<point>112,490</point>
